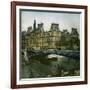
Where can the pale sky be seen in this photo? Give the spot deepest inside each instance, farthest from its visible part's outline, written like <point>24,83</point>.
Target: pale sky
<point>65,20</point>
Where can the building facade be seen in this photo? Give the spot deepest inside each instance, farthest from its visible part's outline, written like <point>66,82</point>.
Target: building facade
<point>36,38</point>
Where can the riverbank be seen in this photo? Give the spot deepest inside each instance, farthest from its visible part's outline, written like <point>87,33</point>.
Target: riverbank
<point>40,65</point>
<point>68,53</point>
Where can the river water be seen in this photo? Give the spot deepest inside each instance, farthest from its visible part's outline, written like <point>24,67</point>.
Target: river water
<point>51,65</point>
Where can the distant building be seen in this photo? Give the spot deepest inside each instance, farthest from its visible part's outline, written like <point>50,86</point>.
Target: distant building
<point>29,29</point>
<point>75,39</point>
<point>54,36</point>
<point>38,39</point>
<point>74,32</point>
<point>65,37</point>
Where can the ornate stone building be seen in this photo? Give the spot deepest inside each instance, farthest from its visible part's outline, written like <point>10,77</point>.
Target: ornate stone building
<point>39,39</point>
<point>36,38</point>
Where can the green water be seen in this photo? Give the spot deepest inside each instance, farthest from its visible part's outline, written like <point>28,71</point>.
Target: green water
<point>40,66</point>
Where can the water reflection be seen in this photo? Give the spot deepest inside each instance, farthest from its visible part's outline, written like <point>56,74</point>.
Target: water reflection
<point>49,65</point>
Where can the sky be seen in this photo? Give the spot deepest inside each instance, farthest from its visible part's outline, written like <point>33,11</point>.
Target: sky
<point>65,20</point>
